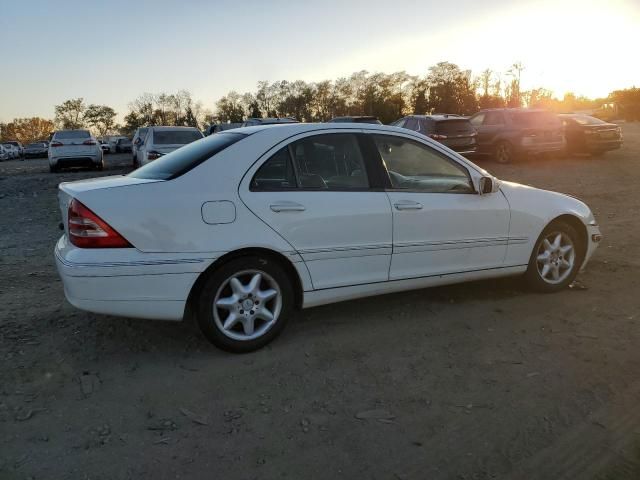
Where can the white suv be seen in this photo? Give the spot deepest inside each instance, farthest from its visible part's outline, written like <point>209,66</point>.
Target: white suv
<point>162,140</point>
<point>74,148</point>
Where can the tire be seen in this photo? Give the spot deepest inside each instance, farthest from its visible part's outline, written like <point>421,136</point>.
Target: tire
<point>250,306</point>
<point>566,261</point>
<point>503,152</point>
<point>135,162</point>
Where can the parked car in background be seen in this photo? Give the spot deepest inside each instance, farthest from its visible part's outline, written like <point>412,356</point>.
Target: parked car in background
<point>111,140</point>
<point>357,119</point>
<point>4,154</point>
<point>511,133</point>
<point>162,140</point>
<point>250,122</point>
<point>74,148</point>
<point>12,151</point>
<point>104,146</point>
<point>138,138</point>
<point>18,147</point>
<point>453,131</point>
<point>123,145</point>
<point>221,127</point>
<point>35,150</point>
<point>243,227</point>
<point>585,134</point>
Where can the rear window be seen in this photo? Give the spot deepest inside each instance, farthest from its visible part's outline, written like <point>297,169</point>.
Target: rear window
<point>67,134</point>
<point>36,145</point>
<point>452,127</point>
<point>175,137</point>
<point>186,158</point>
<point>534,119</point>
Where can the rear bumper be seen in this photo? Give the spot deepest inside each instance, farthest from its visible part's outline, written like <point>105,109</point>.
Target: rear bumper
<point>127,282</point>
<point>84,160</point>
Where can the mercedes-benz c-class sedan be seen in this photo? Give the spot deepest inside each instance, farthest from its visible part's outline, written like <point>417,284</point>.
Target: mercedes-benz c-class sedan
<point>245,226</point>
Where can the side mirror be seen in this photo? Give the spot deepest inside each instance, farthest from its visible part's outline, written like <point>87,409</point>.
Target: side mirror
<point>486,185</point>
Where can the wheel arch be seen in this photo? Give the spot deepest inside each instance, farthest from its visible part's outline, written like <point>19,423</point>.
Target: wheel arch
<point>278,257</point>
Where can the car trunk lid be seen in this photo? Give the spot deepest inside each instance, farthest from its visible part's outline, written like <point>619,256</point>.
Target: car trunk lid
<point>67,191</point>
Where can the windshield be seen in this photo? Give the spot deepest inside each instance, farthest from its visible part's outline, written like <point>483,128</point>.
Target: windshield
<point>175,137</point>
<point>186,158</point>
<point>67,134</point>
<point>587,120</point>
<point>452,127</point>
<point>35,145</point>
<point>535,119</point>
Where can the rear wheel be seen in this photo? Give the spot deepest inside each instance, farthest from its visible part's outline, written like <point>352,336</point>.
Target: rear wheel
<point>503,152</point>
<point>555,259</point>
<point>245,304</point>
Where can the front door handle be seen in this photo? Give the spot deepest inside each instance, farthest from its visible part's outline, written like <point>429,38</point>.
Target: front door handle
<point>287,207</point>
<point>408,205</point>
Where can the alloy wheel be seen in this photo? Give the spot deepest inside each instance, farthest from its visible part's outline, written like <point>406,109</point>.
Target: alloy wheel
<point>247,305</point>
<point>556,258</point>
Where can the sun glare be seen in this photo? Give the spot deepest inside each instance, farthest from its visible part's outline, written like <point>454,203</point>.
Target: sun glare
<point>574,46</point>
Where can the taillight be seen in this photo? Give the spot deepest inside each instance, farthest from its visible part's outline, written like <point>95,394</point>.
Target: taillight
<point>152,155</point>
<point>56,144</point>
<point>89,142</point>
<point>87,230</point>
<point>437,136</point>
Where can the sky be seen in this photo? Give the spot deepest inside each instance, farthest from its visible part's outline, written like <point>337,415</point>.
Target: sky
<point>111,51</point>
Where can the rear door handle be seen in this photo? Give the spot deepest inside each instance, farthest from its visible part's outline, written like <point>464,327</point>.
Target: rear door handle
<point>287,207</point>
<point>408,205</point>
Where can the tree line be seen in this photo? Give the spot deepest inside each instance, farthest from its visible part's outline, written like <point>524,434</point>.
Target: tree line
<point>445,88</point>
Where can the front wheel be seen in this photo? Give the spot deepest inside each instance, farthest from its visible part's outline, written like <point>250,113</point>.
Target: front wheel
<point>555,259</point>
<point>245,304</point>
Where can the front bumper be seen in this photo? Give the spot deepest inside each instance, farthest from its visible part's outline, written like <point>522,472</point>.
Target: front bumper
<point>594,239</point>
<point>127,282</point>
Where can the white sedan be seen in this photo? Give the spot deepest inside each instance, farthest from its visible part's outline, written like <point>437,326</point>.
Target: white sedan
<point>244,226</point>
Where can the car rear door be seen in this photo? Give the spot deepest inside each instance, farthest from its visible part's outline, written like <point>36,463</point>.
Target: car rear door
<point>440,224</point>
<point>320,194</point>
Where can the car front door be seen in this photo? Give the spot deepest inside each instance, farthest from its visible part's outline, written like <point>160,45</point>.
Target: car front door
<point>440,224</point>
<point>318,193</point>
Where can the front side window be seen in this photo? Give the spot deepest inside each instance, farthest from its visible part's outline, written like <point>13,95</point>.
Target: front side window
<point>329,161</point>
<point>417,167</point>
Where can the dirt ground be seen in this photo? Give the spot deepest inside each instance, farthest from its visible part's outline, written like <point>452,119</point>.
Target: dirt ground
<point>476,381</point>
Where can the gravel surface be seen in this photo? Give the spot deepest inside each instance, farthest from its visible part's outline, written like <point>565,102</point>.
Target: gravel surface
<point>475,381</point>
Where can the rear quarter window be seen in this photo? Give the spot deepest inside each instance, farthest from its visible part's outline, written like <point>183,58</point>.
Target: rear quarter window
<point>180,161</point>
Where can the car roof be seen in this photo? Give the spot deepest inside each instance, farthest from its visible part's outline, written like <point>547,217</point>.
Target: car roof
<point>166,127</point>
<point>507,109</point>
<point>289,129</point>
<point>440,116</point>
